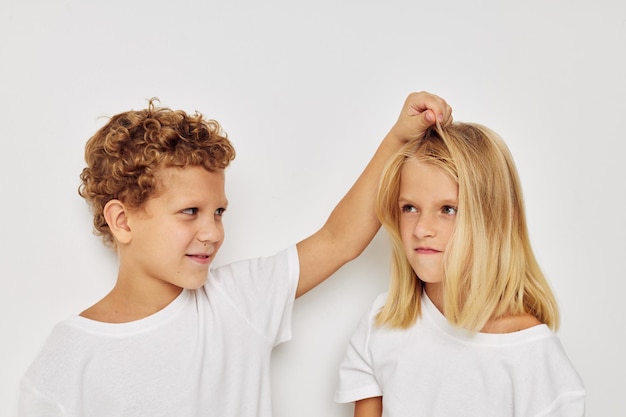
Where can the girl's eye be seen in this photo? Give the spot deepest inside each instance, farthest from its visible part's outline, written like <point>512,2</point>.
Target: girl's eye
<point>450,210</point>
<point>220,211</point>
<point>407,208</point>
<point>191,211</point>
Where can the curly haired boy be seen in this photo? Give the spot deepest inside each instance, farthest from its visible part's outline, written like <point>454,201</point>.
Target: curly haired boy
<point>173,337</point>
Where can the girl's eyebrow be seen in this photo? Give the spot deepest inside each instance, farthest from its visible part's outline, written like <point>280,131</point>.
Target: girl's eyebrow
<point>449,202</point>
<point>443,201</point>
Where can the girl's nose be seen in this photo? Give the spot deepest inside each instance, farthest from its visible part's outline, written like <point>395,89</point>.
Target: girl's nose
<point>425,227</point>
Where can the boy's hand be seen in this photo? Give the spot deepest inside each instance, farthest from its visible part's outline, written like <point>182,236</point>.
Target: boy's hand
<point>420,111</point>
<point>353,223</point>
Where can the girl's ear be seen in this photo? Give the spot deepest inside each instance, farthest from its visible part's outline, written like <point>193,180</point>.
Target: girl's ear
<point>116,217</point>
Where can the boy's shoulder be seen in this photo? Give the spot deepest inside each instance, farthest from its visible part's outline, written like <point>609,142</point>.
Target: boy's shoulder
<point>65,344</point>
<point>102,311</point>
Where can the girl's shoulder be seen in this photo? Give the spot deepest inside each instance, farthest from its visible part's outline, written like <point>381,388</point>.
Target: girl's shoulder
<point>511,324</point>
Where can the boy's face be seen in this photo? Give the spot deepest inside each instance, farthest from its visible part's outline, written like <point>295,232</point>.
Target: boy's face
<point>178,232</point>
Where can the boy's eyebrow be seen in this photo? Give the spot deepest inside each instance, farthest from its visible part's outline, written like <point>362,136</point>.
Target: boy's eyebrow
<point>195,202</point>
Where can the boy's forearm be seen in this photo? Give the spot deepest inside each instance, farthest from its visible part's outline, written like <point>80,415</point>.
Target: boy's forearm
<point>353,223</point>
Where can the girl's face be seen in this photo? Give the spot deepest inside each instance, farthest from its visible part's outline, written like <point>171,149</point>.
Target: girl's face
<point>428,203</point>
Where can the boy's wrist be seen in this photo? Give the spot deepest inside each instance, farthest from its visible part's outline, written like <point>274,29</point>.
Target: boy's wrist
<point>399,136</point>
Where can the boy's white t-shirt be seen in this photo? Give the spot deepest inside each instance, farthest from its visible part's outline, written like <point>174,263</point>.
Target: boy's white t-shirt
<point>205,354</point>
<point>437,370</point>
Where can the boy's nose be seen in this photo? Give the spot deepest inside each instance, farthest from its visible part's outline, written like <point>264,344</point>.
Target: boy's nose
<point>211,232</point>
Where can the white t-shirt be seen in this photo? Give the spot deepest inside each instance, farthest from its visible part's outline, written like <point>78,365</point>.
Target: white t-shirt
<point>205,354</point>
<point>434,369</point>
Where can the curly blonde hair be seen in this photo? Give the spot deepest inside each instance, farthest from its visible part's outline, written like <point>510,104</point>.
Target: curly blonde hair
<point>124,155</point>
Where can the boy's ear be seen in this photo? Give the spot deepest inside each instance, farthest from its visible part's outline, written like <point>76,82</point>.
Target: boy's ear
<point>116,217</point>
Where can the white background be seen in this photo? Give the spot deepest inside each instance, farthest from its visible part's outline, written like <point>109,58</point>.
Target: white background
<point>305,91</point>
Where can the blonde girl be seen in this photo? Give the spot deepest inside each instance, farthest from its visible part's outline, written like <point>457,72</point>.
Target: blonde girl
<point>467,326</point>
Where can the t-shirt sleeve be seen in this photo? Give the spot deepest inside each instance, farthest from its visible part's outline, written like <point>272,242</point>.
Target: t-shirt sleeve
<point>33,404</point>
<point>262,291</point>
<point>357,379</point>
<point>569,404</point>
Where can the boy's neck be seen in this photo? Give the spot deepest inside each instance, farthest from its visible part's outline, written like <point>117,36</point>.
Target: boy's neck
<point>126,303</point>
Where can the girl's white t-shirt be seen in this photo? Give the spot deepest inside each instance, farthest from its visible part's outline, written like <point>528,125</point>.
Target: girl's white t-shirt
<point>437,370</point>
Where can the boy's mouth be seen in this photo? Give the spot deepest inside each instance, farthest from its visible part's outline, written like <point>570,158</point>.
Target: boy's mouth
<point>200,258</point>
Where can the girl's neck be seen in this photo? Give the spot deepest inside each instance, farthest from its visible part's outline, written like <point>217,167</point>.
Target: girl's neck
<point>510,324</point>
<point>506,324</point>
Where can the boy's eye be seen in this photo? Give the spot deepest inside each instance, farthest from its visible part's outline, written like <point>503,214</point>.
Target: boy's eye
<point>450,210</point>
<point>191,211</point>
<point>220,211</point>
<point>407,208</point>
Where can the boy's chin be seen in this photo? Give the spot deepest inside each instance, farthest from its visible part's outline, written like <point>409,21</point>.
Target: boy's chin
<point>194,285</point>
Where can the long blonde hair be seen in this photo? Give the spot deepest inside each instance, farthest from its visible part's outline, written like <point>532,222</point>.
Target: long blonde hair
<point>490,270</point>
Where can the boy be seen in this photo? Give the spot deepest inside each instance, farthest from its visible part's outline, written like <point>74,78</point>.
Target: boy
<point>167,340</point>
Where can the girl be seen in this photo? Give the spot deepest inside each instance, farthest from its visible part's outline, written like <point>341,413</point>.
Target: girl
<point>467,327</point>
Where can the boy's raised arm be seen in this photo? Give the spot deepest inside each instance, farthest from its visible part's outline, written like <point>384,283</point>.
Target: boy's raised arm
<point>353,223</point>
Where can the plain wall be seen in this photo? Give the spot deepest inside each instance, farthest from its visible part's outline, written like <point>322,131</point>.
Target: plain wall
<point>306,90</point>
